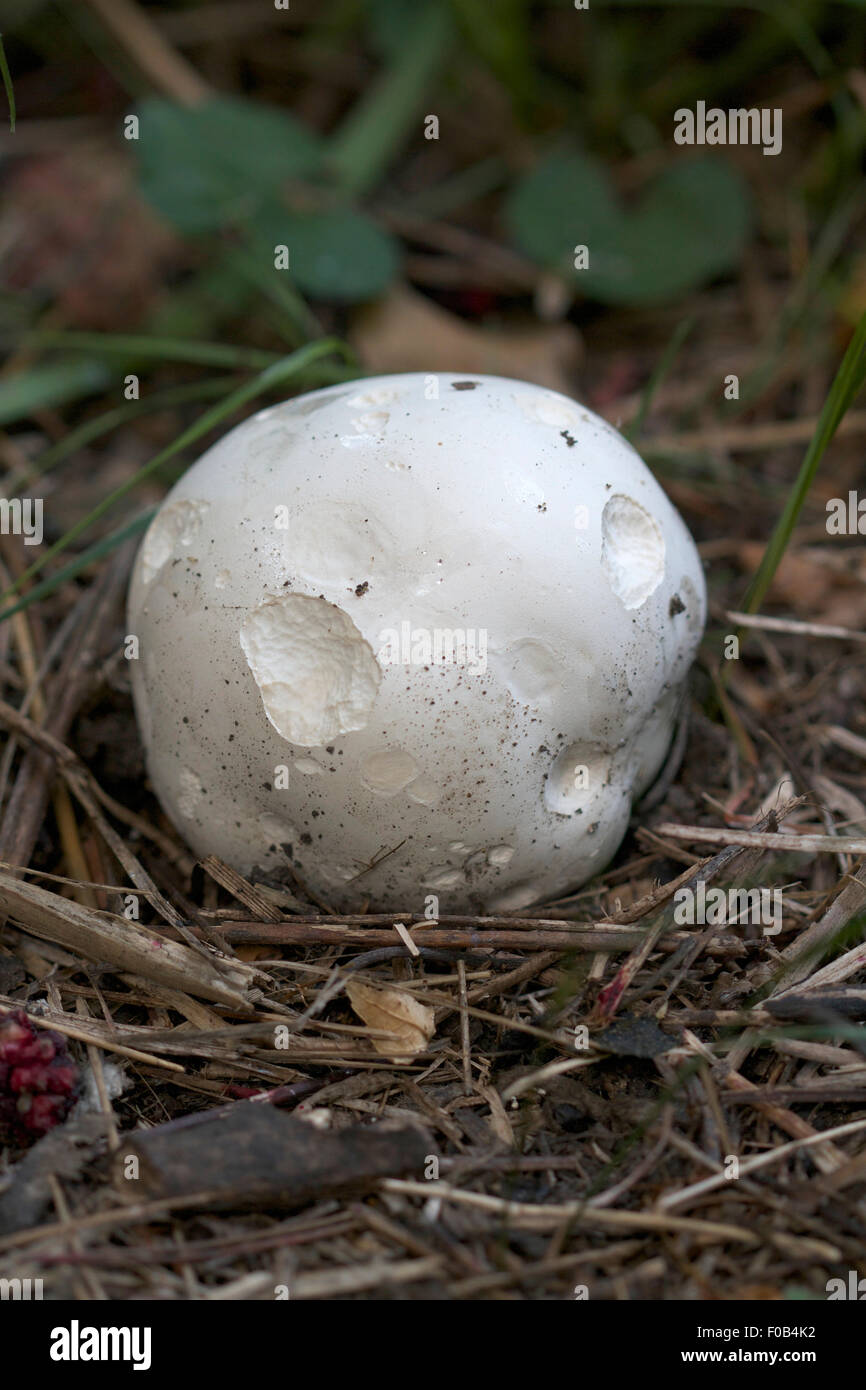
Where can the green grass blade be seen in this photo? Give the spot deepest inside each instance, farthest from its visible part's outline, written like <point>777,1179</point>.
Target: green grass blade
<point>668,357</point>
<point>275,375</point>
<point>847,384</point>
<point>109,420</point>
<point>131,345</point>
<point>374,129</point>
<point>95,552</point>
<point>7,83</point>
<point>41,388</point>
<point>298,322</point>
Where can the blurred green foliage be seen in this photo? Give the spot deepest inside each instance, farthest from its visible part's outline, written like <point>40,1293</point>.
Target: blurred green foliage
<point>204,167</point>
<point>226,163</point>
<point>691,224</point>
<point>628,65</point>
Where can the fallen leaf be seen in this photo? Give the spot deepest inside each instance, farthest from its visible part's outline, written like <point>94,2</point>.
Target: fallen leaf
<point>393,1011</point>
<point>405,332</point>
<point>255,1156</point>
<point>815,584</point>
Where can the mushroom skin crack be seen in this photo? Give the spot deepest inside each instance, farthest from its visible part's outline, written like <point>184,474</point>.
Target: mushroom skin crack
<point>415,637</point>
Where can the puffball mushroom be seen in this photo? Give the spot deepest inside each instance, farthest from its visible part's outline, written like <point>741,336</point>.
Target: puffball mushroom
<point>414,636</point>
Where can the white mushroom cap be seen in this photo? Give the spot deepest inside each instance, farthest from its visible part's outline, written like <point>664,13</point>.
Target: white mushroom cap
<point>447,619</point>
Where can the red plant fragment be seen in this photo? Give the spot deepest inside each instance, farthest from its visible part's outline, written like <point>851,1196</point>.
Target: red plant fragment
<point>39,1081</point>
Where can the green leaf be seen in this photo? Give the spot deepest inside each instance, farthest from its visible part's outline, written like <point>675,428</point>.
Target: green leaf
<point>204,166</point>
<point>336,254</point>
<point>690,225</point>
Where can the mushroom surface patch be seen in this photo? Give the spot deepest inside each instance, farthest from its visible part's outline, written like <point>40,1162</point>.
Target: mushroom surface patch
<point>403,638</point>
